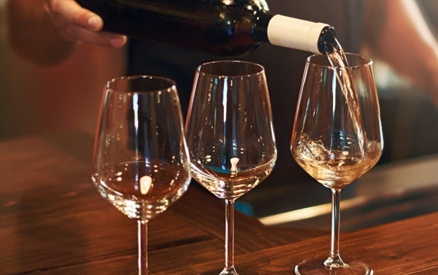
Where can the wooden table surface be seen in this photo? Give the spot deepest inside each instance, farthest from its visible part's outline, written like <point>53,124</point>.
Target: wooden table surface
<point>53,221</point>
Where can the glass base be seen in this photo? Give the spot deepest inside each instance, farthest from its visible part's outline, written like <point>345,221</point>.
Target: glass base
<point>317,267</point>
<point>229,271</point>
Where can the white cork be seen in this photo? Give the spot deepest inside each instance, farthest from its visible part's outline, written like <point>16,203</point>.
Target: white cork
<point>295,33</point>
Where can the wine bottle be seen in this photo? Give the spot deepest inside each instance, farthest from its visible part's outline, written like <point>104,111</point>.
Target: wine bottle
<point>223,28</point>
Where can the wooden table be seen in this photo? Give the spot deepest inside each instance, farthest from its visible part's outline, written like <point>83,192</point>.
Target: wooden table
<point>53,221</point>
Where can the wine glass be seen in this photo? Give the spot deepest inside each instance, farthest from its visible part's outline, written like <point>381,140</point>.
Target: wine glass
<point>230,135</point>
<point>336,138</point>
<point>141,162</point>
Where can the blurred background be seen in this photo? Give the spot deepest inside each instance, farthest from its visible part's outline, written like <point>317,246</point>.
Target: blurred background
<point>36,100</point>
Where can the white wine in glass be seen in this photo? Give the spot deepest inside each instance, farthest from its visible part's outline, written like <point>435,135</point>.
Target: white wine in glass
<point>336,138</point>
<point>141,162</point>
<point>230,135</point>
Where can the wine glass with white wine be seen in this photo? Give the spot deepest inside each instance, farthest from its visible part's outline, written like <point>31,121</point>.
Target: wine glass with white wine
<point>230,135</point>
<point>337,137</point>
<point>141,162</point>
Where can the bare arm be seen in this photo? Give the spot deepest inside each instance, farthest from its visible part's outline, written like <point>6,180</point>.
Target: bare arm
<point>404,41</point>
<point>46,31</point>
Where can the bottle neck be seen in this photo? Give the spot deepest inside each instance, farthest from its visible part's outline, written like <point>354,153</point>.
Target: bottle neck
<point>297,34</point>
<point>261,30</point>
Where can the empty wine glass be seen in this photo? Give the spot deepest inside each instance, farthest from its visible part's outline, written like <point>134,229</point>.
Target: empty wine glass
<point>230,135</point>
<point>337,137</point>
<point>141,162</point>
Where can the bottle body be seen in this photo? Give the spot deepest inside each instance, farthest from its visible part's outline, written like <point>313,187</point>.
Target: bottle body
<point>211,26</point>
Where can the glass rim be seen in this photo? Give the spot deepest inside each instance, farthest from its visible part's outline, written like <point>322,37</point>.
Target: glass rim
<point>367,61</point>
<point>169,84</point>
<point>260,68</point>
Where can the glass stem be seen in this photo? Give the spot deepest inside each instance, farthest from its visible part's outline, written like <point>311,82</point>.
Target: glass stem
<point>142,229</point>
<point>229,238</point>
<point>334,259</point>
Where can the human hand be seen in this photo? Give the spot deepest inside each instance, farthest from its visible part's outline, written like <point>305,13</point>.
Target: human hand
<point>75,23</point>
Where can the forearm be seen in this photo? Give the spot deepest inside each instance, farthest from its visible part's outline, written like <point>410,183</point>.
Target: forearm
<point>32,36</point>
<point>407,44</point>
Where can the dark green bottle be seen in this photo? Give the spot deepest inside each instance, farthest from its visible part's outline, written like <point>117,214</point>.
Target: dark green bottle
<point>219,27</point>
